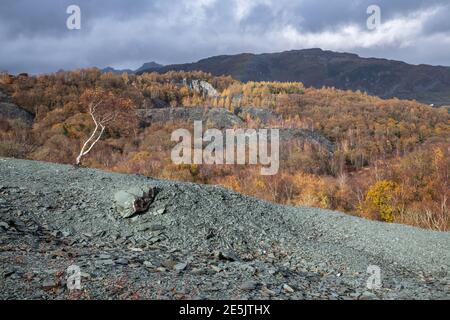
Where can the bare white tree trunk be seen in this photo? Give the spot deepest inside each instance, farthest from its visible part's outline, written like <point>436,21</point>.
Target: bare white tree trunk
<point>83,152</point>
<point>89,144</point>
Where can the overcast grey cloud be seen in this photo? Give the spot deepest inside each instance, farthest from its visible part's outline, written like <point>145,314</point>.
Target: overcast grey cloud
<point>125,34</point>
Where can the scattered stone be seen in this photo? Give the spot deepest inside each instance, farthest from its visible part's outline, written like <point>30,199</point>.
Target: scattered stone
<point>267,291</point>
<point>115,236</point>
<point>215,268</point>
<point>156,227</point>
<point>154,240</point>
<point>180,266</point>
<point>144,227</point>
<point>228,255</point>
<point>107,262</point>
<point>100,233</point>
<point>159,212</point>
<point>198,271</point>
<point>8,273</point>
<point>249,285</point>
<point>4,225</point>
<point>58,254</point>
<point>122,261</point>
<point>66,233</point>
<point>85,275</point>
<point>169,264</point>
<point>288,289</point>
<point>367,295</point>
<point>50,284</point>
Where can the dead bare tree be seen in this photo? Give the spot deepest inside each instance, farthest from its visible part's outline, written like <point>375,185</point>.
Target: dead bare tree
<point>104,108</point>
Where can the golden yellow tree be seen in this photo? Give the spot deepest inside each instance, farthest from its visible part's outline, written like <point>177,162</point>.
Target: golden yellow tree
<point>380,199</point>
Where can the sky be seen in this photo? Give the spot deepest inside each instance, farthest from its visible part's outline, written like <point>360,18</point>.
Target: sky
<point>34,37</point>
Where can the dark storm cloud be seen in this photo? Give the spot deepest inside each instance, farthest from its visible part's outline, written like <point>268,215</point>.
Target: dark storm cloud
<point>34,37</point>
<point>45,17</point>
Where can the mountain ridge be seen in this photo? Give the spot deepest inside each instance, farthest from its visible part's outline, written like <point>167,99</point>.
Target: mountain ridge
<point>317,68</point>
<point>145,66</point>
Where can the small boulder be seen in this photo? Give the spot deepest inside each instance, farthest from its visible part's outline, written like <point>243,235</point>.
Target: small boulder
<point>50,284</point>
<point>288,289</point>
<point>249,285</point>
<point>180,266</point>
<point>367,295</point>
<point>4,225</point>
<point>227,255</point>
<point>134,200</point>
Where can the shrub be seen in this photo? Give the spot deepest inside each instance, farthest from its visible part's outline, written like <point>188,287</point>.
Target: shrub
<point>13,149</point>
<point>380,199</point>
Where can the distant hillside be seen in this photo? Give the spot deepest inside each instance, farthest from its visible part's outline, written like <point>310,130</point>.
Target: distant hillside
<point>318,68</point>
<point>146,66</point>
<point>149,65</point>
<point>117,71</point>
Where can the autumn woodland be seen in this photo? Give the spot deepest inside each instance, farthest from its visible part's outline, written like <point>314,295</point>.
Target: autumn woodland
<point>389,159</point>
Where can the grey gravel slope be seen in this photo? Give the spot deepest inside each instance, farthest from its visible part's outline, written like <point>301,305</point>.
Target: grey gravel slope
<point>231,245</point>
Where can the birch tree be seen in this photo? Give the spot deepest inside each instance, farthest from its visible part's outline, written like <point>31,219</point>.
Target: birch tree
<point>105,109</point>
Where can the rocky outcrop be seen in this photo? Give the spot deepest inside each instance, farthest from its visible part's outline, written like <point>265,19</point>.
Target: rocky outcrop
<point>308,136</point>
<point>263,115</point>
<point>201,86</point>
<point>219,118</point>
<point>10,111</point>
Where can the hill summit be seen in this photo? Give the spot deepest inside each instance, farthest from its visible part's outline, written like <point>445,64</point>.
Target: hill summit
<point>318,68</point>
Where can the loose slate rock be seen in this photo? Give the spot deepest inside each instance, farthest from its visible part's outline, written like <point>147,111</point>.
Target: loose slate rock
<point>367,295</point>
<point>134,200</point>
<point>50,284</point>
<point>180,266</point>
<point>249,285</point>
<point>156,227</point>
<point>4,225</point>
<point>288,289</point>
<point>227,255</point>
<point>122,261</point>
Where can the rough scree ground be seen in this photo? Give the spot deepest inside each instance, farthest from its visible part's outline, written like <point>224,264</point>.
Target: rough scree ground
<point>197,242</point>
